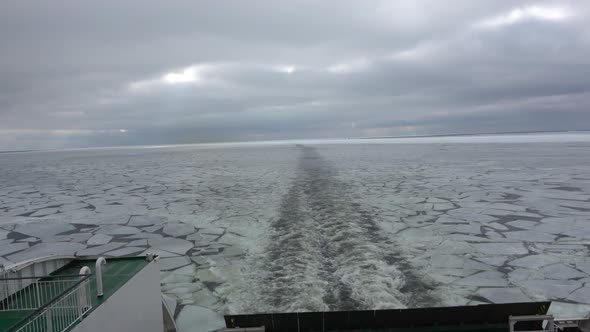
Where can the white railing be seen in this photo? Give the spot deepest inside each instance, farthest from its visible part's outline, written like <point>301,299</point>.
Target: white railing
<point>61,313</point>
<point>56,302</point>
<point>32,293</point>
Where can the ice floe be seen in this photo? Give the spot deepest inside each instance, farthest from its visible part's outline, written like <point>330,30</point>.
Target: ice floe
<point>99,239</point>
<point>199,319</point>
<point>467,224</point>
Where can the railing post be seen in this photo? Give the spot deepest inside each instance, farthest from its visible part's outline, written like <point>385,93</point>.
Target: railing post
<point>38,295</point>
<point>49,320</point>
<point>61,302</point>
<point>83,297</point>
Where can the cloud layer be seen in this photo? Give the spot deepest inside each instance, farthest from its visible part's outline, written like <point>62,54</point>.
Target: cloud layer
<point>112,73</point>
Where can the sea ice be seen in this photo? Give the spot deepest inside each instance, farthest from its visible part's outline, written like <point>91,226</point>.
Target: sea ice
<point>484,279</point>
<point>494,260</point>
<point>233,251</point>
<point>199,319</point>
<point>47,249</point>
<point>524,224</point>
<point>160,253</point>
<point>500,248</point>
<point>172,279</point>
<point>213,231</point>
<point>118,230</point>
<point>44,229</point>
<point>446,261</point>
<point>506,206</point>
<point>581,295</point>
<point>44,212</point>
<point>534,261</point>
<point>125,251</point>
<point>204,298</point>
<point>208,275</point>
<point>140,242</point>
<point>99,239</point>
<point>429,213</point>
<point>98,250</point>
<point>171,244</point>
<point>584,266</point>
<point>73,237</point>
<point>152,229</point>
<point>188,270</point>
<point>146,220</point>
<point>497,226</point>
<point>503,295</point>
<point>519,274</point>
<point>560,271</point>
<point>550,289</point>
<point>145,236</point>
<point>530,236</point>
<point>178,229</point>
<point>173,263</point>
<point>8,241</point>
<point>13,247</point>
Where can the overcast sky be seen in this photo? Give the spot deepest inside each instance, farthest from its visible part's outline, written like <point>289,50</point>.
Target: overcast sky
<point>95,73</point>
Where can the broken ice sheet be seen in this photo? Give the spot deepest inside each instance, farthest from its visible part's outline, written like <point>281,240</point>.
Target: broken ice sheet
<point>431,210</point>
<point>503,295</point>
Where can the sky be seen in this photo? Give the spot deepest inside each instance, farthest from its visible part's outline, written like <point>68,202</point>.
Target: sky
<point>104,73</point>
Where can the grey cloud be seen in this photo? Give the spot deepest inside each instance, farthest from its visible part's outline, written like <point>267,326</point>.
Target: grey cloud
<point>357,68</point>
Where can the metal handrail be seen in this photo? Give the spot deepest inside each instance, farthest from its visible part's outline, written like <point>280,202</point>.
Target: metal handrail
<point>82,279</point>
<point>41,277</point>
<point>29,293</point>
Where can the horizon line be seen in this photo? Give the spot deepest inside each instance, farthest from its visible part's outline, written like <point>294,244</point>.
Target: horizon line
<point>295,139</point>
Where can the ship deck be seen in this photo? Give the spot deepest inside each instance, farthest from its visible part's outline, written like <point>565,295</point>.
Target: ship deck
<point>115,274</point>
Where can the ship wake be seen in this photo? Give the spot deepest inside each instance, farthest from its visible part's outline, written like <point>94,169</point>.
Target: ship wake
<point>326,253</point>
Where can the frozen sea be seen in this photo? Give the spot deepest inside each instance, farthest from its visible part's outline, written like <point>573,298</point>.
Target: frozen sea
<point>319,225</point>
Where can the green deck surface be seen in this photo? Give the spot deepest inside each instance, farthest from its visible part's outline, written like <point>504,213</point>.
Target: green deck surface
<point>115,274</point>
<point>24,298</point>
<point>9,318</point>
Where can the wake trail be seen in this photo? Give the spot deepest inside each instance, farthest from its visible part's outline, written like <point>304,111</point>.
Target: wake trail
<point>327,253</point>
